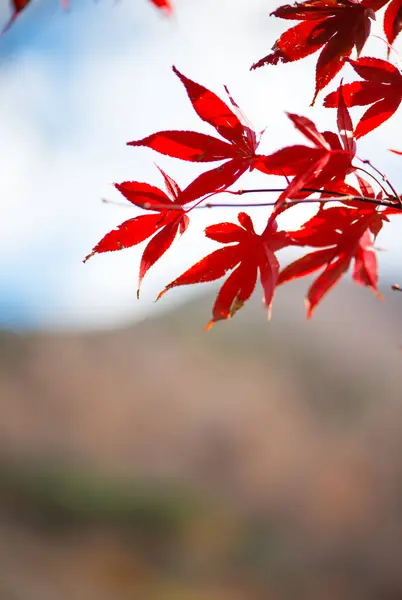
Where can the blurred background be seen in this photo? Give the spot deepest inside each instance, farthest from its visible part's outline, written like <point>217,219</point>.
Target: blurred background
<point>140,457</point>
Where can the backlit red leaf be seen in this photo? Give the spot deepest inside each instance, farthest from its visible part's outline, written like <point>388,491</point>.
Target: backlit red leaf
<point>325,282</point>
<point>157,248</point>
<point>376,69</point>
<point>251,254</point>
<point>236,290</point>
<point>336,27</point>
<point>349,234</point>
<point>382,88</point>
<point>308,129</point>
<point>225,233</point>
<point>377,114</point>
<point>393,20</point>
<point>143,195</point>
<point>165,5</point>
<point>198,147</point>
<point>128,234</point>
<point>215,180</point>
<point>365,270</point>
<point>210,108</point>
<point>311,168</point>
<point>212,267</point>
<point>187,145</point>
<point>345,125</point>
<point>306,265</point>
<point>171,186</point>
<point>17,8</point>
<point>166,222</point>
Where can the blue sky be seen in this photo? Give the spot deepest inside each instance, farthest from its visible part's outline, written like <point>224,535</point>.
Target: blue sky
<point>75,87</point>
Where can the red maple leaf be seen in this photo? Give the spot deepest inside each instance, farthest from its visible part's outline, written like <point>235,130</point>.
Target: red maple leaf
<point>382,87</point>
<point>165,5</point>
<point>18,6</point>
<point>336,26</point>
<point>317,166</point>
<point>247,255</point>
<point>345,234</point>
<point>165,222</point>
<point>239,151</point>
<point>393,20</point>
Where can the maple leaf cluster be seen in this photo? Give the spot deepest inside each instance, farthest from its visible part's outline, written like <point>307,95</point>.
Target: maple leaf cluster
<point>341,236</point>
<point>354,202</point>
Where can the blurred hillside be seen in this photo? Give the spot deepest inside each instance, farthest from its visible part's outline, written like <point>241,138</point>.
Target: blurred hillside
<point>161,462</point>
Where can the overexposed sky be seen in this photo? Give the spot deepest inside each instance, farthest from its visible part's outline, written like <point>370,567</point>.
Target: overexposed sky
<point>75,87</point>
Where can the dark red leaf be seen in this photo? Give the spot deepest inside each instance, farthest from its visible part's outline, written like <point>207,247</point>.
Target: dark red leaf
<point>287,49</point>
<point>345,125</point>
<point>331,59</point>
<point>358,93</point>
<point>336,27</point>
<point>365,187</point>
<point>393,20</point>
<point>376,69</point>
<point>172,188</point>
<point>17,8</point>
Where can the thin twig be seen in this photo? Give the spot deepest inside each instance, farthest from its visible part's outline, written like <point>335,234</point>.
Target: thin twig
<point>306,201</point>
<point>114,202</point>
<point>372,176</point>
<point>384,178</point>
<point>338,197</point>
<point>279,190</point>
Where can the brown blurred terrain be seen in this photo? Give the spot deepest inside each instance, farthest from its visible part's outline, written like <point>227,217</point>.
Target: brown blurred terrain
<point>158,462</point>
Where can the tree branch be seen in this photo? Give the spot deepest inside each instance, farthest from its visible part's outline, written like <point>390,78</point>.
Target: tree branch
<point>338,196</point>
